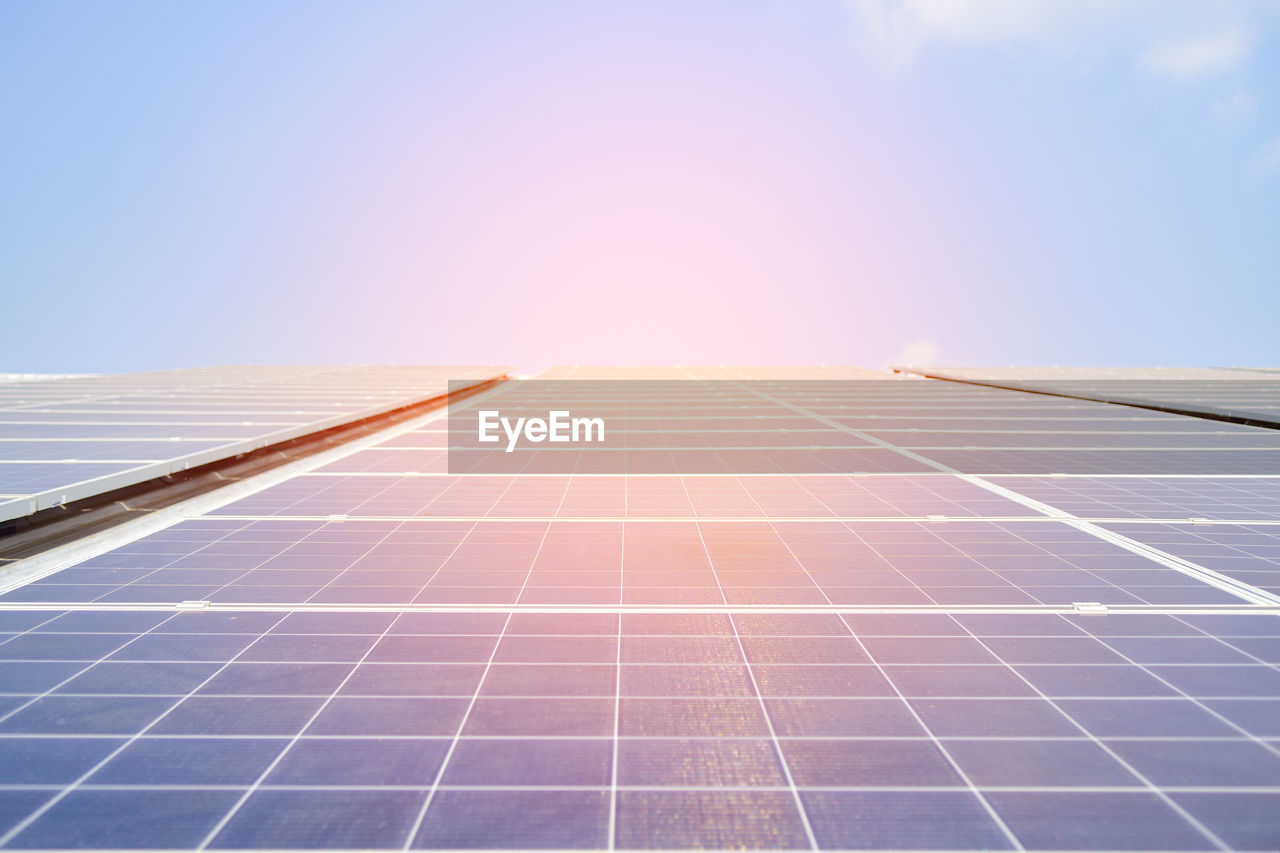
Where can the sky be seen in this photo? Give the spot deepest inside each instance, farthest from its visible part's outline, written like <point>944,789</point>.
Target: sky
<point>870,182</point>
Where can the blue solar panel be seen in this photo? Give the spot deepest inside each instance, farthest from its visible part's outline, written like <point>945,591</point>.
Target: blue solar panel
<point>1244,394</point>
<point>991,718</point>
<point>392,657</point>
<point>68,438</point>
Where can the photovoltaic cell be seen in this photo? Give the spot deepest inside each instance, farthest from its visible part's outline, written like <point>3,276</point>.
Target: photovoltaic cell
<point>398,657</point>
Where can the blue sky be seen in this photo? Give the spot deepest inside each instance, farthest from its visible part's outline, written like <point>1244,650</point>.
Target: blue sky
<point>954,182</point>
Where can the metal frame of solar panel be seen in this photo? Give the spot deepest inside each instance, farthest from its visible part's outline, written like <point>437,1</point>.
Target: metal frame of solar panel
<point>1048,625</point>
<point>68,438</point>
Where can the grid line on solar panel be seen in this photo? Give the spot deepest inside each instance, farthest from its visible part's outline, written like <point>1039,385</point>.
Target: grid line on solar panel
<point>1249,553</point>
<point>1211,498</point>
<point>766,563</point>
<point>1129,767</point>
<point>1045,460</point>
<point>1046,703</point>
<point>1151,730</point>
<point>156,522</point>
<point>755,685</point>
<point>409,496</point>
<point>1229,585</point>
<point>84,776</point>
<point>562,496</point>
<point>257,783</point>
<point>417,825</point>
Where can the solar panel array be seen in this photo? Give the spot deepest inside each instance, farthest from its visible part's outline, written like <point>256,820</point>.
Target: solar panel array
<point>1251,394</point>
<point>1029,623</point>
<point>67,438</point>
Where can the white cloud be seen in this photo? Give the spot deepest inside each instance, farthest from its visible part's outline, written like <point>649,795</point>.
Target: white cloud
<point>1186,59</point>
<point>1180,39</point>
<point>1267,158</point>
<point>897,29</point>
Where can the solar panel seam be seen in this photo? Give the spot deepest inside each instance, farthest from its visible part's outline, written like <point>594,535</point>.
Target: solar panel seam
<point>860,475</point>
<point>798,609</point>
<point>710,738</point>
<point>1048,789</point>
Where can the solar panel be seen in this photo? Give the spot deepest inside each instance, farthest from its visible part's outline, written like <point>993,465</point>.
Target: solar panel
<point>1249,553</point>
<point>68,438</point>
<point>381,652</point>
<point>1247,395</point>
